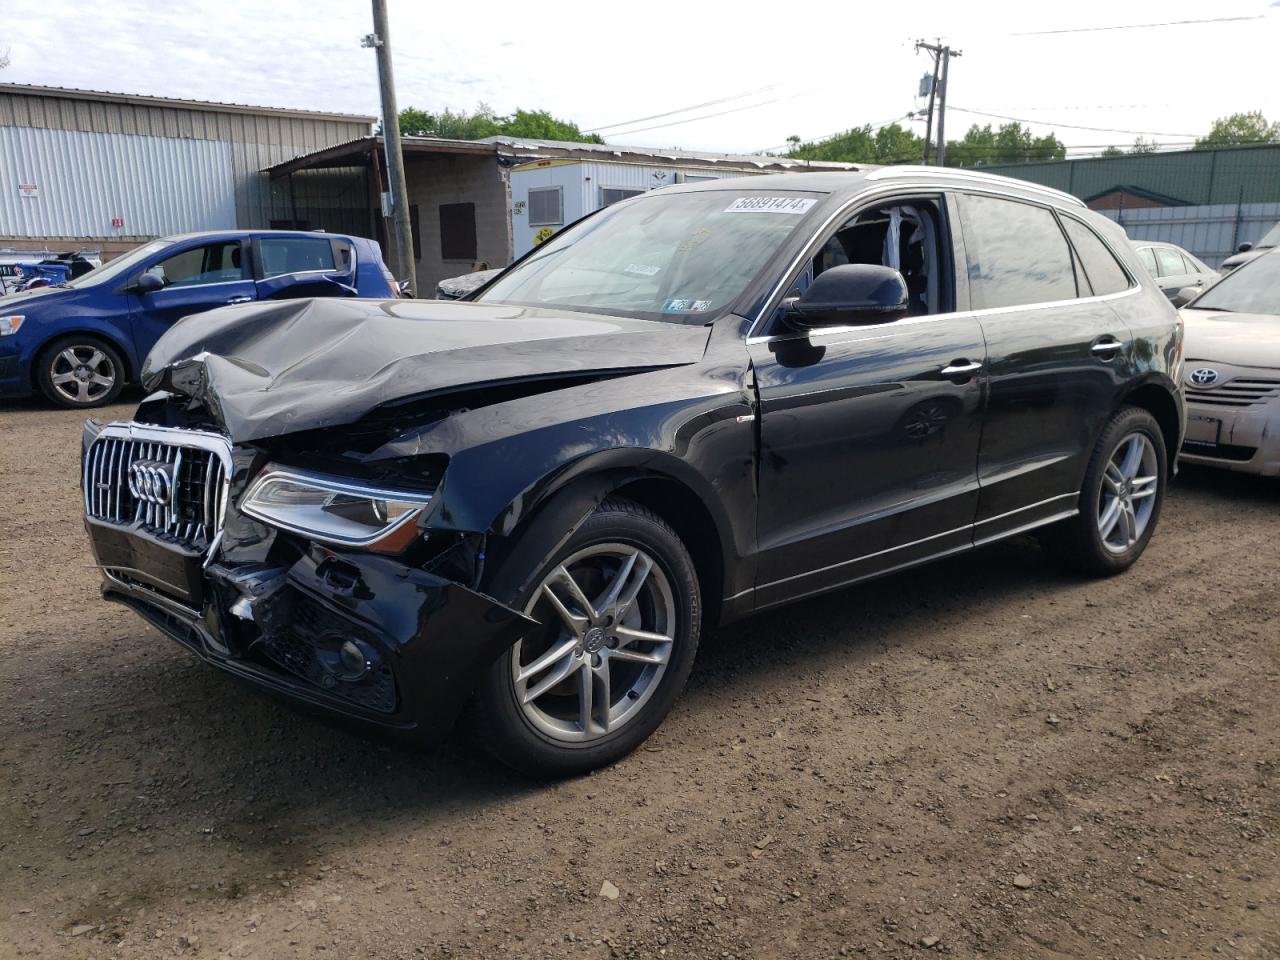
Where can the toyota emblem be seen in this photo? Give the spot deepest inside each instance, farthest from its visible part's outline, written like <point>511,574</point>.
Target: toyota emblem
<point>1204,377</point>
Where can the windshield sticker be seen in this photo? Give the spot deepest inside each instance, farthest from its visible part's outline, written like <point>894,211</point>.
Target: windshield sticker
<point>642,269</point>
<point>676,305</point>
<point>792,205</point>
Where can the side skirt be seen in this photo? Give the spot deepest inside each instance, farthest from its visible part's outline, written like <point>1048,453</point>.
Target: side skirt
<point>738,601</point>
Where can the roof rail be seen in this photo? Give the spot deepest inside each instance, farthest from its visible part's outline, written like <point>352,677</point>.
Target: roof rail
<point>973,176</point>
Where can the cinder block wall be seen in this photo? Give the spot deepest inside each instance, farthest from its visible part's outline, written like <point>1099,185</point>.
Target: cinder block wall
<point>436,180</point>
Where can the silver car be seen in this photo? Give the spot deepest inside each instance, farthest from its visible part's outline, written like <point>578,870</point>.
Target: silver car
<point>1174,269</point>
<point>1232,371</point>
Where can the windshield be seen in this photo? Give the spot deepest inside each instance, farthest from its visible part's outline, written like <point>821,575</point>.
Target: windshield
<point>119,266</point>
<point>1251,288</point>
<point>684,257</point>
<point>1270,239</point>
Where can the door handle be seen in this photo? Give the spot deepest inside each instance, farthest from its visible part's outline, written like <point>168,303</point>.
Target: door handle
<point>1106,348</point>
<point>239,299</point>
<point>960,369</point>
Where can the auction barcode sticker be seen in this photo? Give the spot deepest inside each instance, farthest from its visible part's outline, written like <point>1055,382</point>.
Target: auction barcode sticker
<point>792,205</point>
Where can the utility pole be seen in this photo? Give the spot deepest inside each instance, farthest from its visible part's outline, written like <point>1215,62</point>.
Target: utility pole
<point>942,55</point>
<point>933,93</point>
<point>380,41</point>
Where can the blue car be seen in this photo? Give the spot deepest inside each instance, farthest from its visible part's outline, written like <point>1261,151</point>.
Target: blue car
<point>81,341</point>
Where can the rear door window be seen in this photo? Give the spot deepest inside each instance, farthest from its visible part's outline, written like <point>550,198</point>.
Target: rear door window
<point>1148,258</point>
<point>281,255</point>
<point>1170,262</point>
<point>1103,271</point>
<point>1017,254</point>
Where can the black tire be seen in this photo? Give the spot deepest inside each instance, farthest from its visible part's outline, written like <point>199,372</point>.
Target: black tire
<point>498,722</point>
<point>84,391</point>
<point>1078,543</point>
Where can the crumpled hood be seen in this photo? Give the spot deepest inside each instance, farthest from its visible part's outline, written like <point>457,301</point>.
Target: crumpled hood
<point>274,368</point>
<point>1240,339</point>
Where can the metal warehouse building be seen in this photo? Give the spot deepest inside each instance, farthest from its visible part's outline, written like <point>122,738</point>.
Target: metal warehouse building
<point>106,171</point>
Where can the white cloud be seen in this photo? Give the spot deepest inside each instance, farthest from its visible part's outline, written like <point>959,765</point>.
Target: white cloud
<point>834,66</point>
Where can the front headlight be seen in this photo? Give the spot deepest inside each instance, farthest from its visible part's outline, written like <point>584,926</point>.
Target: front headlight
<point>335,511</point>
<point>9,325</point>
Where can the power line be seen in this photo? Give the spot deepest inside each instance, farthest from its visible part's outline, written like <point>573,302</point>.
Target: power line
<point>672,113</point>
<point>1071,126</point>
<point>1133,26</point>
<point>708,116</point>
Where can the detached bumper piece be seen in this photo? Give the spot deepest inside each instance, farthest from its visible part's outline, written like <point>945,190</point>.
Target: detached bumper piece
<point>352,634</point>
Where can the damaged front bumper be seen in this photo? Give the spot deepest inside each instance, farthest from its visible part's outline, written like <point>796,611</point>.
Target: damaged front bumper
<point>365,636</point>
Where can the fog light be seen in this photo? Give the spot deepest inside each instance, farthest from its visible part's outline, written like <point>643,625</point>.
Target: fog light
<point>354,663</point>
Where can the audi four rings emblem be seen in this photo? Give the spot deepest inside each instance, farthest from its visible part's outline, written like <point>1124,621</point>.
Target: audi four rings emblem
<point>152,481</point>
<point>1204,376</point>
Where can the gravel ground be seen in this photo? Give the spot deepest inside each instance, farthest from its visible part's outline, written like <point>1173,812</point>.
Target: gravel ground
<point>984,757</point>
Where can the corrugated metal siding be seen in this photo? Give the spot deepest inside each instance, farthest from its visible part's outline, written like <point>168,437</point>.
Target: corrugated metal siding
<point>158,185</point>
<point>252,141</point>
<point>92,116</point>
<point>1228,175</point>
<point>1211,231</point>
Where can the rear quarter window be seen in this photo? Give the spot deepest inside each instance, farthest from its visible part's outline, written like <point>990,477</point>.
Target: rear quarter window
<point>1103,273</point>
<point>1016,253</point>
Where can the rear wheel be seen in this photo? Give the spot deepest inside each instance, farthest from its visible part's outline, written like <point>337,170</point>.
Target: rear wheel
<point>80,372</point>
<point>1121,499</point>
<point>620,612</point>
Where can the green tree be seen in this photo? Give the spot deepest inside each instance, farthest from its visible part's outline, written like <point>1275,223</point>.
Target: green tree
<point>1142,146</point>
<point>1238,128</point>
<point>1010,143</point>
<point>484,122</point>
<point>890,144</point>
<point>1112,152</point>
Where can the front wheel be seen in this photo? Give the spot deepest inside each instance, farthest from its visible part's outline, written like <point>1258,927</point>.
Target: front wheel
<point>80,372</point>
<point>1120,501</point>
<point>619,612</point>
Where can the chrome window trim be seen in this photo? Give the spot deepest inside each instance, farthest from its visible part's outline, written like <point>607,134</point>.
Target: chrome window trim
<point>336,486</point>
<point>198,286</point>
<point>774,298</point>
<point>991,180</point>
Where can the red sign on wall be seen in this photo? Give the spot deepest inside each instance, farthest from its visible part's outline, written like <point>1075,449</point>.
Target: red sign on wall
<point>117,221</point>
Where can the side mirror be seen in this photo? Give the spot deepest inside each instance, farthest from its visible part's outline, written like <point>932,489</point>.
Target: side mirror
<point>851,293</point>
<point>148,283</point>
<point>1244,247</point>
<point>1186,295</point>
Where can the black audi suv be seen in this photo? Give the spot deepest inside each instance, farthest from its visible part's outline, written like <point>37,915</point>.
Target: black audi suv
<point>524,508</point>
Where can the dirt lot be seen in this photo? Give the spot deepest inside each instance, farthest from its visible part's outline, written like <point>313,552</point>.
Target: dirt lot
<point>983,757</point>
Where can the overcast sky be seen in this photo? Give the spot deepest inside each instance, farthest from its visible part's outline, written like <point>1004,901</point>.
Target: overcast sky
<point>780,69</point>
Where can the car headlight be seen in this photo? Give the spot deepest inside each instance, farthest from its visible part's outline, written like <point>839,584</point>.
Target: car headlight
<point>9,325</point>
<point>335,511</point>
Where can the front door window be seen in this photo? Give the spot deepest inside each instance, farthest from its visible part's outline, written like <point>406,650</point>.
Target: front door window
<point>214,263</point>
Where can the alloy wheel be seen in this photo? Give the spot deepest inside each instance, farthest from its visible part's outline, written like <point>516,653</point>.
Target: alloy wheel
<point>1128,495</point>
<point>81,373</point>
<point>609,626</point>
